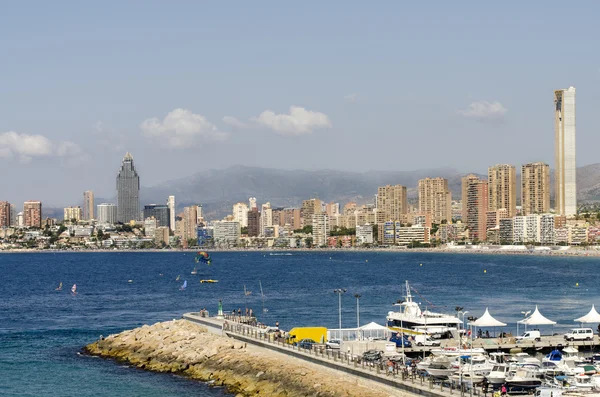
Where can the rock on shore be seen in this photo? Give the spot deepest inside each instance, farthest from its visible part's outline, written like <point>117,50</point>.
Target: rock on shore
<point>180,346</point>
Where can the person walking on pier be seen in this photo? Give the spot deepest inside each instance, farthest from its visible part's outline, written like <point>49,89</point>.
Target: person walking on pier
<point>503,390</point>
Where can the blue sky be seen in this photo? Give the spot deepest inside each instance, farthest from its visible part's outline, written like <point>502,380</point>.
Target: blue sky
<point>186,86</point>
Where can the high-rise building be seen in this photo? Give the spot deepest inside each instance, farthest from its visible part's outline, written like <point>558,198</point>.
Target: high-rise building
<point>106,213</point>
<point>266,217</point>
<point>565,168</point>
<point>226,233</point>
<point>477,205</point>
<point>190,221</point>
<point>535,188</point>
<point>465,181</point>
<point>150,225</point>
<point>171,205</point>
<point>13,215</point>
<point>320,224</point>
<point>159,212</point>
<point>88,205</point>
<point>72,214</point>
<point>128,191</point>
<point>5,214</point>
<point>392,203</point>
<point>240,214</point>
<point>502,188</point>
<point>32,214</point>
<point>310,208</point>
<point>253,222</point>
<point>291,216</point>
<point>436,199</point>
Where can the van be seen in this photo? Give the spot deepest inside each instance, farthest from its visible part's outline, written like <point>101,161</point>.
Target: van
<point>529,335</point>
<point>318,334</point>
<point>580,334</point>
<point>425,340</point>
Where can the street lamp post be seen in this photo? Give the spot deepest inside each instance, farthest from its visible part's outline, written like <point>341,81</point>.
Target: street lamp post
<point>357,296</point>
<point>340,291</point>
<point>460,347</point>
<point>525,314</point>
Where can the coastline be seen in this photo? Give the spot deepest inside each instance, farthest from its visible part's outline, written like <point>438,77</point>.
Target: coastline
<point>571,251</point>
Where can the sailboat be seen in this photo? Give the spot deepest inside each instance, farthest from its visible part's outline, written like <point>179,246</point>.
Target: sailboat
<point>194,271</point>
<point>74,289</point>
<point>184,286</point>
<point>178,277</point>
<point>246,292</point>
<point>59,288</point>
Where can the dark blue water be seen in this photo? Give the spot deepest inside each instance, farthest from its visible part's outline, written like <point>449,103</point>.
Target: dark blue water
<point>42,331</point>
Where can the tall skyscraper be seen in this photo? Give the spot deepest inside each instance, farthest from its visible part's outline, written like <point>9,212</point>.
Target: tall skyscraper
<point>565,168</point>
<point>32,214</point>
<point>392,202</point>
<point>159,212</point>
<point>253,222</point>
<point>477,205</point>
<point>5,214</point>
<point>106,213</point>
<point>171,205</point>
<point>502,188</point>
<point>190,221</point>
<point>465,193</point>
<point>535,188</point>
<point>266,217</point>
<point>436,199</point>
<point>128,191</point>
<point>88,205</point>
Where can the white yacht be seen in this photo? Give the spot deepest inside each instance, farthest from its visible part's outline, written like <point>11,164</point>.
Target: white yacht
<point>498,374</point>
<point>409,317</point>
<point>522,379</point>
<point>441,367</point>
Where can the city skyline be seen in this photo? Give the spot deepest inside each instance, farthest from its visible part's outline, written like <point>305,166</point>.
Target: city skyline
<point>321,92</point>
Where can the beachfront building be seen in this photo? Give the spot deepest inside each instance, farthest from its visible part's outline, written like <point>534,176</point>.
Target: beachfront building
<point>546,227</point>
<point>578,235</point>
<point>565,166</point>
<point>364,234</point>
<point>88,205</point>
<point>72,214</point>
<point>505,231</point>
<point>535,188</point>
<point>171,206</point>
<point>161,235</point>
<point>5,214</point>
<point>32,214</point>
<point>465,182</point>
<point>392,203</point>
<point>240,214</point>
<point>150,225</point>
<point>266,218</point>
<point>408,235</point>
<point>502,188</point>
<point>519,236</point>
<point>561,235</point>
<point>320,224</point>
<point>435,199</point>
<point>309,208</point>
<point>226,233</point>
<point>477,206</point>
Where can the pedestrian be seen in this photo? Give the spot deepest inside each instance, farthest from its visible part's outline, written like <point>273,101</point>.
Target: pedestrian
<point>277,324</point>
<point>390,365</point>
<point>503,390</point>
<point>251,313</point>
<point>487,334</point>
<point>246,312</point>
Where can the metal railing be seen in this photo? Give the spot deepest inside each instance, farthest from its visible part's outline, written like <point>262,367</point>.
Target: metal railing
<point>393,371</point>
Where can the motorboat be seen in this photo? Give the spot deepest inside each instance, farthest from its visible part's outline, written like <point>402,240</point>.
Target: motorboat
<point>441,367</point>
<point>522,379</point>
<point>498,374</point>
<point>556,364</point>
<point>409,317</point>
<point>477,364</point>
<point>466,378</point>
<point>454,351</point>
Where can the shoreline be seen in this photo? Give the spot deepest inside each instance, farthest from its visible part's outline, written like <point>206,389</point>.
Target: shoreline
<point>572,251</point>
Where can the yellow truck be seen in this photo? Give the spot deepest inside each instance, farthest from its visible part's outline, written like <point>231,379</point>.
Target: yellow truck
<point>318,334</point>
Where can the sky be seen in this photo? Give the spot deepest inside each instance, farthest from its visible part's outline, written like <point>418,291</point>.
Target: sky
<point>187,86</point>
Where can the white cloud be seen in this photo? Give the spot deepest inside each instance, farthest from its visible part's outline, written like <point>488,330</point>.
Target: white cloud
<point>352,98</point>
<point>484,110</point>
<point>232,121</point>
<point>25,147</point>
<point>298,122</point>
<point>181,128</point>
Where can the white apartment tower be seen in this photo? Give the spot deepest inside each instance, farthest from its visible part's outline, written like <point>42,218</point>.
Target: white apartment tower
<point>240,214</point>
<point>565,166</point>
<point>171,205</point>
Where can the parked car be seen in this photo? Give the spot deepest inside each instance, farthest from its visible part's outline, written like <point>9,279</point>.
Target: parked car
<point>424,340</point>
<point>579,334</point>
<point>333,344</point>
<point>372,356</point>
<point>306,344</point>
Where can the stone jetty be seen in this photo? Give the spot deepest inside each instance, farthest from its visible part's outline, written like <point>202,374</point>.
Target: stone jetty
<point>188,349</point>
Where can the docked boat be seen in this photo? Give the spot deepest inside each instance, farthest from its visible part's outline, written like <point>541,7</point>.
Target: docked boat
<point>556,364</point>
<point>411,319</point>
<point>498,374</point>
<point>522,379</point>
<point>466,378</point>
<point>453,351</point>
<point>441,367</point>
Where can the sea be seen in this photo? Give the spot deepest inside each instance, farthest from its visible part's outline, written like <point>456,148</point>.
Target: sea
<point>42,331</point>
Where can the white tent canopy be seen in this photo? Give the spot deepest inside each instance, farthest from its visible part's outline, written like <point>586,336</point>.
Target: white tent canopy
<point>372,326</point>
<point>537,319</point>
<point>487,321</point>
<point>591,317</point>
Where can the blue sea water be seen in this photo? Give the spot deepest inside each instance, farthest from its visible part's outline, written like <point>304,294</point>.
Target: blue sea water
<point>43,330</point>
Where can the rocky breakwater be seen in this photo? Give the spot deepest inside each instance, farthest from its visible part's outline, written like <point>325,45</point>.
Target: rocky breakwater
<point>183,347</point>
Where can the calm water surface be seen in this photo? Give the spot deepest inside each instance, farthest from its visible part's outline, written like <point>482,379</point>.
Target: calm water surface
<point>42,330</point>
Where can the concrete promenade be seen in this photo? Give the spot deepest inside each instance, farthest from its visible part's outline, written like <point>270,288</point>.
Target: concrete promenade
<point>340,361</point>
